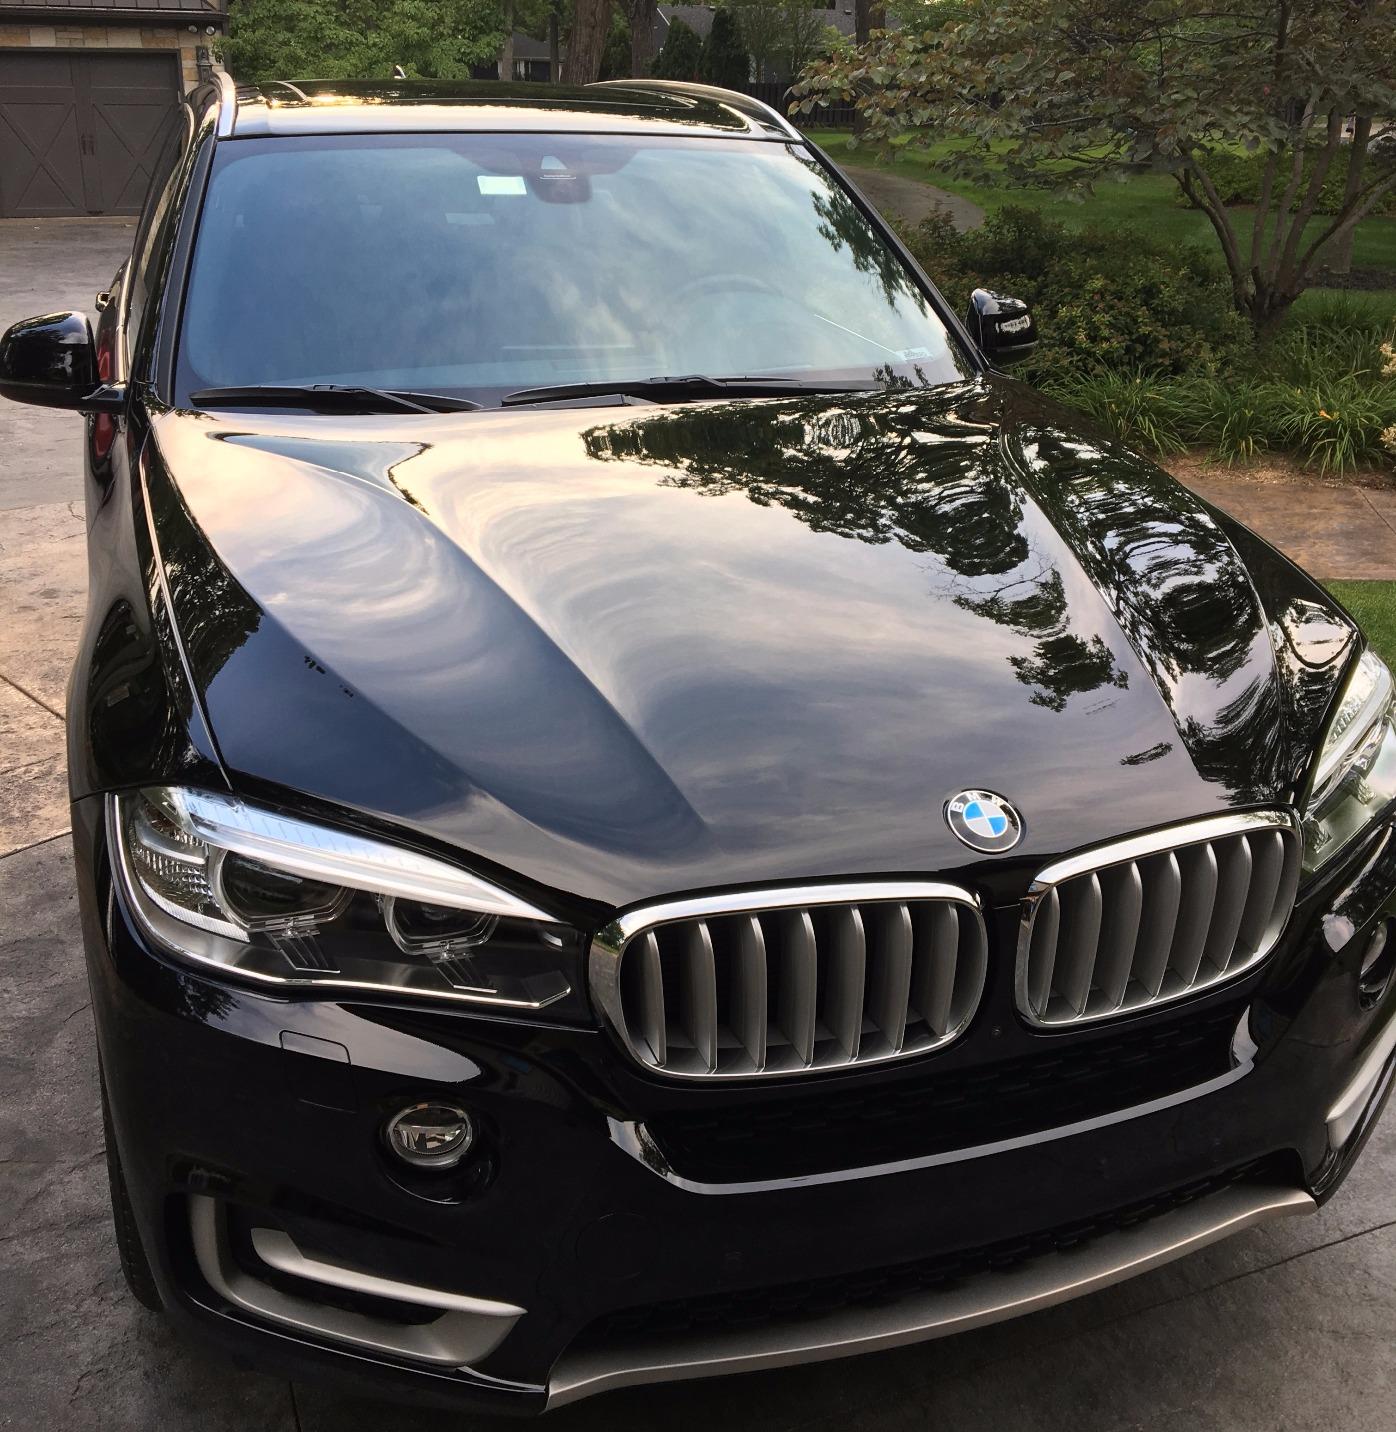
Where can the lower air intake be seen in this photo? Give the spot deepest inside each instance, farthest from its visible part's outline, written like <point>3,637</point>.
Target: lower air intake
<point>1156,917</point>
<point>795,980</point>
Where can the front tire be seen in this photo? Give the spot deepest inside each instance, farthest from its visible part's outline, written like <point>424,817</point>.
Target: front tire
<point>135,1266</point>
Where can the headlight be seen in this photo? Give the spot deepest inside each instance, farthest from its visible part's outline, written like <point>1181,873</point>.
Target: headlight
<point>285,901</point>
<point>1354,776</point>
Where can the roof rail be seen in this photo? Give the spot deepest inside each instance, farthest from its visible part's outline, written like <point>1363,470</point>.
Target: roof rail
<point>227,103</point>
<point>735,98</point>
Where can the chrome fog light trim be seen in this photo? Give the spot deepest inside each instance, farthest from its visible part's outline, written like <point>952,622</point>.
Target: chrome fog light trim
<point>468,1329</point>
<point>1346,1113</point>
<point>432,1134</point>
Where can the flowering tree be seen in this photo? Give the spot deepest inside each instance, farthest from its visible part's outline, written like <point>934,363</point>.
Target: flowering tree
<point>1071,92</point>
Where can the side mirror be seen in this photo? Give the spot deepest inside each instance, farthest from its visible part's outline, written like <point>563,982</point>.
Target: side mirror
<point>51,361</point>
<point>1003,327</point>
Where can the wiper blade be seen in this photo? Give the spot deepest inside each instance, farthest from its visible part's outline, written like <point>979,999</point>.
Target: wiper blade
<point>331,397</point>
<point>692,385</point>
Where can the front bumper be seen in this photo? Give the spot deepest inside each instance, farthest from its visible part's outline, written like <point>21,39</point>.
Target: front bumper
<point>591,1242</point>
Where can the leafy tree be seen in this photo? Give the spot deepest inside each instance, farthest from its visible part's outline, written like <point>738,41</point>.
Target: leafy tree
<point>763,30</point>
<point>784,35</point>
<point>678,60</point>
<point>358,39</point>
<point>615,59</point>
<point>1069,92</point>
<point>805,34</point>
<point>723,59</point>
<point>926,14</point>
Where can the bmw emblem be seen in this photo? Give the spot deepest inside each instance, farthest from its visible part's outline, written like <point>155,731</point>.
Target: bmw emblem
<point>984,821</point>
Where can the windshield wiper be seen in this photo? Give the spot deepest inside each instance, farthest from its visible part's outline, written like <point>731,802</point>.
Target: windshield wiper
<point>331,398</point>
<point>691,386</point>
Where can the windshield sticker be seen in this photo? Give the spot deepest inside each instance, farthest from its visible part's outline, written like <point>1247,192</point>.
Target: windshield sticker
<point>502,184</point>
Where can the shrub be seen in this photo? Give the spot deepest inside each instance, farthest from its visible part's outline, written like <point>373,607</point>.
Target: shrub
<point>724,59</point>
<point>1142,337</point>
<point>1115,296</point>
<point>1133,405</point>
<point>1333,420</point>
<point>678,60</point>
<point>1335,424</point>
<point>1239,177</point>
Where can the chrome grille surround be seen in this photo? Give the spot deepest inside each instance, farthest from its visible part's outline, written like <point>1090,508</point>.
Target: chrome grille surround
<point>1155,918</point>
<point>791,981</point>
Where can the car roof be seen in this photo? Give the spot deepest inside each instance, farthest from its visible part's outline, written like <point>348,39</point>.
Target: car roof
<point>286,107</point>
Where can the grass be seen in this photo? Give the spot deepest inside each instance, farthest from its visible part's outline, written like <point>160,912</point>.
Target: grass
<point>1147,200</point>
<point>1374,606</point>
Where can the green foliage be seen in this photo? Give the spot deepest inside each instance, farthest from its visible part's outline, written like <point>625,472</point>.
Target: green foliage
<point>361,39</point>
<point>927,15</point>
<point>723,59</point>
<point>1140,335</point>
<point>1134,405</point>
<point>1239,178</point>
<point>1066,93</point>
<point>1333,420</point>
<point>1113,297</point>
<point>615,58</point>
<point>678,60</point>
<point>1374,606</point>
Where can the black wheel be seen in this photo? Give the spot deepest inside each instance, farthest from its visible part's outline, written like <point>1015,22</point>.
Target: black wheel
<point>135,1266</point>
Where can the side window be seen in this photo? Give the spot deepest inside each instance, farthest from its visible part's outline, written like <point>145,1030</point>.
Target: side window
<point>150,230</point>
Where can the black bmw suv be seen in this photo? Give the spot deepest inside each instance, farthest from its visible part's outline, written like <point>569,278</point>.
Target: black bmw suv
<point>640,810</point>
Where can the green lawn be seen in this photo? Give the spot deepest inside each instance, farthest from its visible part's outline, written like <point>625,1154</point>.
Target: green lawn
<point>1147,200</point>
<point>1374,606</point>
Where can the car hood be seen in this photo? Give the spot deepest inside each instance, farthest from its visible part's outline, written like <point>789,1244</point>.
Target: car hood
<point>629,651</point>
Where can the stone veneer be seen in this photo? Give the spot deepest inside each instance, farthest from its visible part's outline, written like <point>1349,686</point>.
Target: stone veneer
<point>113,37</point>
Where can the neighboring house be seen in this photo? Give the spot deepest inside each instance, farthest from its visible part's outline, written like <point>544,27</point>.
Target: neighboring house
<point>531,61</point>
<point>84,87</point>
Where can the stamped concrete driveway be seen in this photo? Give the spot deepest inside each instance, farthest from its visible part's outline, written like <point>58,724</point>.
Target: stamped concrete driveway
<point>1289,1327</point>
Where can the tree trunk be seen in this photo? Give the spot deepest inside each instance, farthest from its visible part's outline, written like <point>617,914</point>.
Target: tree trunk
<point>862,28</point>
<point>1337,254</point>
<point>506,55</point>
<point>642,15</point>
<point>554,63</point>
<point>591,23</point>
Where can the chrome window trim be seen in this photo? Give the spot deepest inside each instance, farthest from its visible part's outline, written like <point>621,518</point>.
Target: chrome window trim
<point>608,944</point>
<point>1140,847</point>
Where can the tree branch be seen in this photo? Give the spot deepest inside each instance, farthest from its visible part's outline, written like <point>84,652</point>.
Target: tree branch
<point>1305,212</point>
<point>1348,219</point>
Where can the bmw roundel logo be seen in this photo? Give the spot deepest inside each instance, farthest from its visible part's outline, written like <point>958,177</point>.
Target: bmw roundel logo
<point>984,821</point>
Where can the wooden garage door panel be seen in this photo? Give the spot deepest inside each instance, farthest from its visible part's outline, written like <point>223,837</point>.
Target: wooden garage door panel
<point>40,137</point>
<point>126,131</point>
<point>78,132</point>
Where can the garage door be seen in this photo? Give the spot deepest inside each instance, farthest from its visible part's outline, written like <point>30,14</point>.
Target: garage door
<point>79,130</point>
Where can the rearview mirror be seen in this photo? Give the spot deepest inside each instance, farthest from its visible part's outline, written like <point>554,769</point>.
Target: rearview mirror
<point>1003,327</point>
<point>51,361</point>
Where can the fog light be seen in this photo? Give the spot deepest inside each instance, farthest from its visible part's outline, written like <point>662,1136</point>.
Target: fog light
<point>430,1135</point>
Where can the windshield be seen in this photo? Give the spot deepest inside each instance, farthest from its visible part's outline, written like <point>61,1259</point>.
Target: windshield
<point>475,265</point>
